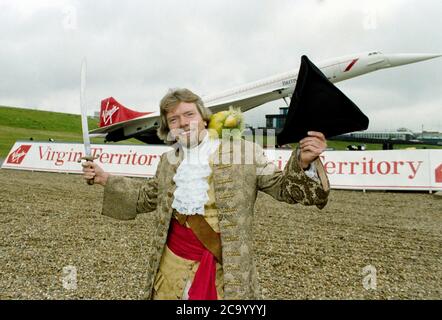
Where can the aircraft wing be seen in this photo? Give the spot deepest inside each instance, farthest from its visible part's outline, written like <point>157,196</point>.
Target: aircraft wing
<point>248,101</point>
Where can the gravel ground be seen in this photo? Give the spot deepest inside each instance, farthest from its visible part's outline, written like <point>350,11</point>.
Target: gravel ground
<point>51,221</point>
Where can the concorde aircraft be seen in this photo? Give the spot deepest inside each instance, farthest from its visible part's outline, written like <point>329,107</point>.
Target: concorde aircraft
<point>142,126</point>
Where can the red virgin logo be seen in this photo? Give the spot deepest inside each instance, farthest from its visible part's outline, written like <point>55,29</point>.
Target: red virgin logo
<point>107,114</point>
<point>17,156</point>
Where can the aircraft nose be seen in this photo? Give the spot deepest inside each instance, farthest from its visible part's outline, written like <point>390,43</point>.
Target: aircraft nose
<point>406,58</point>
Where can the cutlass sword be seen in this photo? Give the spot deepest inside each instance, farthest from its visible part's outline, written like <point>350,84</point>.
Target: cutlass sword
<point>84,125</point>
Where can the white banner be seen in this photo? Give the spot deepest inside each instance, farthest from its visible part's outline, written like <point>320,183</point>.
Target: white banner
<point>382,170</point>
<point>128,160</point>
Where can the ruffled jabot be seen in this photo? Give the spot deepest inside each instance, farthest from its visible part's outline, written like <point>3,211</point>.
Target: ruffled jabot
<point>191,195</point>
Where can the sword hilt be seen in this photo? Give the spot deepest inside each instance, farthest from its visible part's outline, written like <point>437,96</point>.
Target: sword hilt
<point>89,158</point>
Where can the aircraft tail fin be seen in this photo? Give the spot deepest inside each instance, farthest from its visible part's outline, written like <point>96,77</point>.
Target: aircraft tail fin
<point>112,112</point>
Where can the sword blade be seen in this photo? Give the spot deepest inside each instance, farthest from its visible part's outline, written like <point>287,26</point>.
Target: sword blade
<point>84,124</point>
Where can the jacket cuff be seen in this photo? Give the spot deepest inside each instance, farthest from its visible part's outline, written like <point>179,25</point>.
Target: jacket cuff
<point>120,198</point>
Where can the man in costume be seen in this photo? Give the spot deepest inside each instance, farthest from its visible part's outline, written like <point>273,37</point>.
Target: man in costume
<point>204,193</point>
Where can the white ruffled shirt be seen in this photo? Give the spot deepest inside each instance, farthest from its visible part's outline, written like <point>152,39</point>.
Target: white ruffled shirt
<point>191,181</point>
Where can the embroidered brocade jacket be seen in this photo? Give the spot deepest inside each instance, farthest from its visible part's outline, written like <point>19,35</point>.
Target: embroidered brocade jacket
<point>240,170</point>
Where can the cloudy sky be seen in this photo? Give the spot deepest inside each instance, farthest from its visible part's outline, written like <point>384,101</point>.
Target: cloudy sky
<point>136,50</point>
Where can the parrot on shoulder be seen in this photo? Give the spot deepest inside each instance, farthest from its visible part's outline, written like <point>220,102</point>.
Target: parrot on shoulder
<point>227,123</point>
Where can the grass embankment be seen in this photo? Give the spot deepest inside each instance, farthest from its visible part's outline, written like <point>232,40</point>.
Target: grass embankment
<point>24,124</point>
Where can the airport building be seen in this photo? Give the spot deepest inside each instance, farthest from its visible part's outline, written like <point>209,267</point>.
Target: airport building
<point>430,137</point>
<point>276,121</point>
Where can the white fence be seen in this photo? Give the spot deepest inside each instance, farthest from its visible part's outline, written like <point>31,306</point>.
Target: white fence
<point>381,170</point>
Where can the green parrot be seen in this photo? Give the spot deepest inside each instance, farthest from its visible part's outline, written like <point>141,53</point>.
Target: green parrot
<point>227,123</point>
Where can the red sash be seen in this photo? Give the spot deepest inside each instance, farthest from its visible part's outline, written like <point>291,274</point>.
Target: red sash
<point>183,242</point>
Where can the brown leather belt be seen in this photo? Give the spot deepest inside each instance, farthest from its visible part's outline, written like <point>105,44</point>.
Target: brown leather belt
<point>203,231</point>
